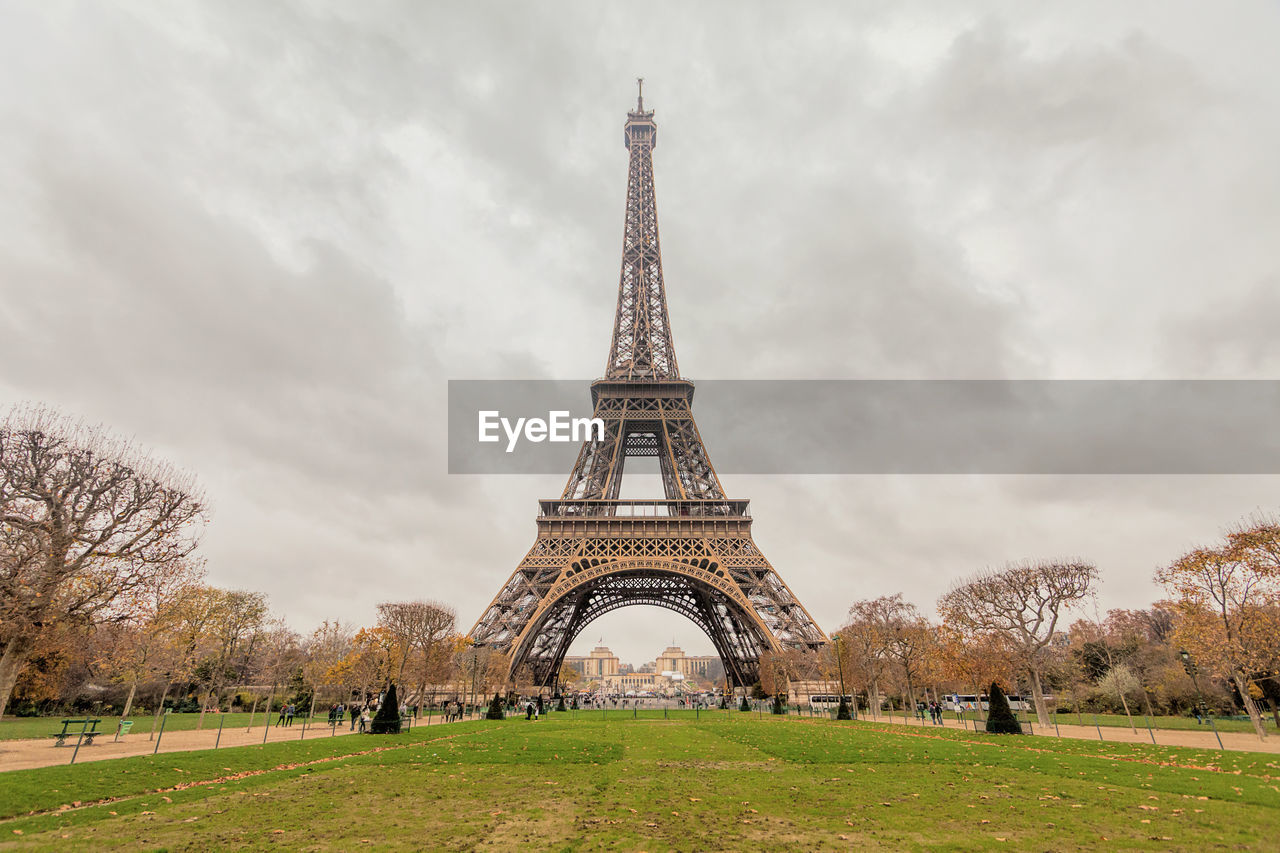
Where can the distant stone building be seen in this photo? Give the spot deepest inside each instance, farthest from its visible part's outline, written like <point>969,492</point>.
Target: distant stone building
<point>673,659</point>
<point>671,672</point>
<point>601,663</point>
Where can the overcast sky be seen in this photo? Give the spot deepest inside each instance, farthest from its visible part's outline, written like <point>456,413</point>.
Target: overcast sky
<point>261,237</point>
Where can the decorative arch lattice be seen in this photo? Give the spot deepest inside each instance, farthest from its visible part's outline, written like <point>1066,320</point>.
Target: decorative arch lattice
<point>737,638</point>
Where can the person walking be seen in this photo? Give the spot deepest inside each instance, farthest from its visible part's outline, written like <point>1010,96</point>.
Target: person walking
<point>364,720</point>
<point>280,721</point>
<point>288,715</point>
<point>355,712</point>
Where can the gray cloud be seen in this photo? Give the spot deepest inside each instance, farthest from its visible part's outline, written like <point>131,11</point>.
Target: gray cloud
<point>262,238</point>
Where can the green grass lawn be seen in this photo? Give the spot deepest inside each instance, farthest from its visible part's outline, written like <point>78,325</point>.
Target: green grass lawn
<point>726,782</point>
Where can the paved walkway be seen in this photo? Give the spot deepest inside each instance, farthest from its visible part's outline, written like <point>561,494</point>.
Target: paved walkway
<point>40,752</point>
<point>1203,739</point>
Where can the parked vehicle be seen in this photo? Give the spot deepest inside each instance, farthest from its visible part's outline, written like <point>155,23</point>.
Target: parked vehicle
<point>970,702</point>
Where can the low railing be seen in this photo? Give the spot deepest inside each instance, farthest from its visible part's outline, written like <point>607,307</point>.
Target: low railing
<point>644,509</point>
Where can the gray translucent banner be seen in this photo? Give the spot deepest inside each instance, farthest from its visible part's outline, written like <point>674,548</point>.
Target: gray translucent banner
<point>913,427</point>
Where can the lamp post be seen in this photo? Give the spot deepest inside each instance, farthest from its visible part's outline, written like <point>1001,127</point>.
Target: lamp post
<point>475,664</point>
<point>1189,665</point>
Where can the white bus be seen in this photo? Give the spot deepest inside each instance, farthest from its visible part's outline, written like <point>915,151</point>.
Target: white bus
<point>828,701</point>
<point>970,702</point>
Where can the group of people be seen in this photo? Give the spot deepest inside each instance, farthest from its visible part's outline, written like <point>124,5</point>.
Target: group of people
<point>359,715</point>
<point>337,711</point>
<point>935,712</point>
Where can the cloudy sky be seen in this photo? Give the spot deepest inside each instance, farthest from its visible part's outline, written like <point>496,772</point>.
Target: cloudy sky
<point>261,237</point>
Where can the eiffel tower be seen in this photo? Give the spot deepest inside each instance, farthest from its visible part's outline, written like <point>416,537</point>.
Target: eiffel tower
<point>691,552</point>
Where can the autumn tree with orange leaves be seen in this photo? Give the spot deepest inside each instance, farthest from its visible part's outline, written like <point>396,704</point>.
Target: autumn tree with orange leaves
<point>1229,600</point>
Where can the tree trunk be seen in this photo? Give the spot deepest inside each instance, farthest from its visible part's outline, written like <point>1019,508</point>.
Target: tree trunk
<point>11,662</point>
<point>159,709</point>
<point>204,703</point>
<point>1146,699</point>
<point>128,703</point>
<point>1042,707</point>
<point>1125,703</point>
<point>271,695</point>
<point>1250,705</point>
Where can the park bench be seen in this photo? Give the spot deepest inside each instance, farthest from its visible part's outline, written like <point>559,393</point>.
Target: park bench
<point>90,731</point>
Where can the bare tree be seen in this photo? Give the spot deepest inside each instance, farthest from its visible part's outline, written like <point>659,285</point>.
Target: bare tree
<point>863,644</point>
<point>418,626</point>
<point>85,519</point>
<point>328,646</point>
<point>909,642</point>
<point>280,653</point>
<point>1021,602</point>
<point>239,620</point>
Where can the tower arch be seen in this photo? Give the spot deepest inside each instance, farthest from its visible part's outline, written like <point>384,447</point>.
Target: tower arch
<point>699,590</point>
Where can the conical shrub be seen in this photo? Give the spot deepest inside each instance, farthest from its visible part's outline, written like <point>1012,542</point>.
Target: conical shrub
<point>387,720</point>
<point>495,709</point>
<point>1000,718</point>
<point>744,705</point>
<point>842,713</point>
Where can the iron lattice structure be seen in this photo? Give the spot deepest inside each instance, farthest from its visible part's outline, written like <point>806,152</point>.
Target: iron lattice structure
<point>691,552</point>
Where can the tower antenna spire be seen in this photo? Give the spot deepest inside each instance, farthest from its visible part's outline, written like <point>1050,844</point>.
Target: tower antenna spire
<point>639,94</point>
